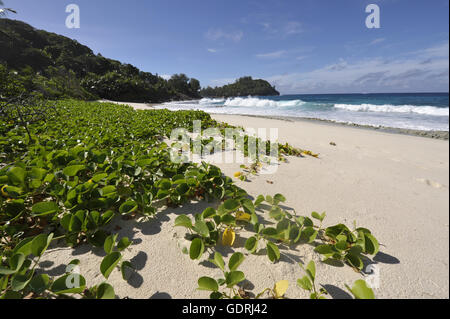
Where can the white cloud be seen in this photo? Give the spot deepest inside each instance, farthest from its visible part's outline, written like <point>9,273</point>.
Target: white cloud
<point>219,34</point>
<point>293,28</point>
<point>377,41</point>
<point>271,55</point>
<point>437,51</point>
<point>426,70</point>
<point>212,50</point>
<point>284,30</point>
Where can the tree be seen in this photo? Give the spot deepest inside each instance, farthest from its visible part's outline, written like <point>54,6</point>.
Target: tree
<point>58,67</point>
<point>194,84</point>
<point>244,86</point>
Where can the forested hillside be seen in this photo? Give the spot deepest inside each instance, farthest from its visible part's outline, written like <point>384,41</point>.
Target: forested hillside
<point>55,66</point>
<point>242,87</point>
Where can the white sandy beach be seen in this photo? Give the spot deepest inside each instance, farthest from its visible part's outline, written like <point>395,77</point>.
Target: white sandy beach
<point>395,185</point>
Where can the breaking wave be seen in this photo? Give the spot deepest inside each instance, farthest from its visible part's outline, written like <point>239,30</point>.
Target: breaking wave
<point>424,110</point>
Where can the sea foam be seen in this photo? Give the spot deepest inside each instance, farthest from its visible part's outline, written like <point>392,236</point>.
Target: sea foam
<point>257,102</point>
<point>424,110</point>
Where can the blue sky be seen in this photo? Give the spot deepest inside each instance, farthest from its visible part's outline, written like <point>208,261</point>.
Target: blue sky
<point>301,46</point>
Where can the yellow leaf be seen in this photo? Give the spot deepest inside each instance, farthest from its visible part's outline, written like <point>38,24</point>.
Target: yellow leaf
<point>281,288</point>
<point>243,216</point>
<point>237,174</point>
<point>4,193</point>
<point>228,237</point>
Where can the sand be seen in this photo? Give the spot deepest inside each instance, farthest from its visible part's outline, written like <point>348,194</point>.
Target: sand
<point>396,185</point>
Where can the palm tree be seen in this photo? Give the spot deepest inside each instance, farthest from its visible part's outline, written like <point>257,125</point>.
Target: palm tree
<point>4,11</point>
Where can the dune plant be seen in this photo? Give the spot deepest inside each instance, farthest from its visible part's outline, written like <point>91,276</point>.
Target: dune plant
<point>308,282</point>
<point>68,178</point>
<point>342,244</point>
<point>20,277</point>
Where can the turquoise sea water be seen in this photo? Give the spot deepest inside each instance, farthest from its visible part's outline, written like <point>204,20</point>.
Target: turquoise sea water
<point>422,111</point>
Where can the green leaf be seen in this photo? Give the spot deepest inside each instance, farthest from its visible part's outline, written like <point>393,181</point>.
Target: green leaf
<point>259,200</point>
<point>318,216</point>
<point>40,283</point>
<point>162,194</point>
<point>183,221</point>
<point>19,282</point>
<point>309,234</point>
<point>40,244</point>
<point>371,244</point>
<point>248,206</point>
<point>99,238</point>
<point>196,249</point>
<point>73,170</point>
<point>341,245</point>
<point>354,261</point>
<point>233,278</point>
<point>361,291</point>
<point>278,198</point>
<point>109,244</point>
<point>272,252</point>
<point>305,283</point>
<point>16,175</point>
<point>109,263</point>
<point>251,244</point>
<point>123,243</point>
<point>98,177</point>
<point>15,263</point>
<point>207,283</point>
<point>311,270</point>
<point>324,249</point>
<point>44,208</point>
<point>231,205</point>
<point>201,228</point>
<point>208,212</point>
<point>182,189</point>
<point>38,173</point>
<point>218,261</point>
<point>105,291</point>
<point>270,231</point>
<point>235,261</point>
<point>69,284</point>
<point>128,207</point>
<point>24,247</point>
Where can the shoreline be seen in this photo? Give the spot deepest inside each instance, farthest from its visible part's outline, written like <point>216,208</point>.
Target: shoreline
<point>439,135</point>
<point>393,184</point>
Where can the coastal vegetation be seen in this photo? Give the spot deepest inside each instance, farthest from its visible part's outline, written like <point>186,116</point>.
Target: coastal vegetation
<point>244,86</point>
<point>66,176</point>
<point>54,67</point>
<point>69,168</point>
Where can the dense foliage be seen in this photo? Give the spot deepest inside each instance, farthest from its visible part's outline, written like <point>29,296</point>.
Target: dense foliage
<point>244,86</point>
<point>58,67</point>
<point>64,180</point>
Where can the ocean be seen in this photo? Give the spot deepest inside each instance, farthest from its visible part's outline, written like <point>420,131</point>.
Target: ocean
<point>420,111</point>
